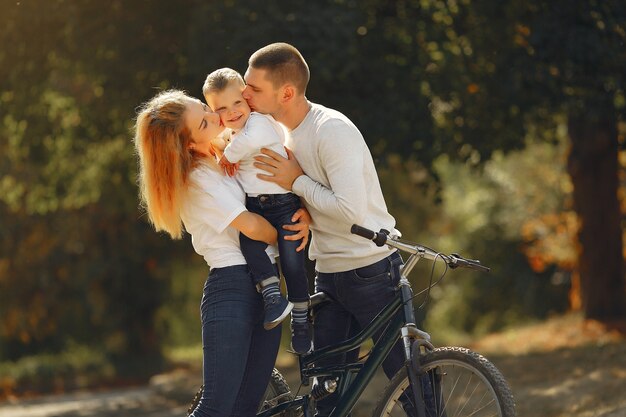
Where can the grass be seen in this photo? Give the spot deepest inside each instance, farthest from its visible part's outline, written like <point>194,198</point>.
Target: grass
<point>77,367</point>
<point>564,331</point>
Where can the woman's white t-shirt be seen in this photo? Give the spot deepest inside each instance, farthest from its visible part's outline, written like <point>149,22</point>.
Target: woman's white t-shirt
<point>212,202</point>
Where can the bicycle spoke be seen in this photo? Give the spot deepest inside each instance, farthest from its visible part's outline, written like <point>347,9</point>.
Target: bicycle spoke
<point>480,401</point>
<point>445,405</point>
<point>461,392</point>
<point>482,408</point>
<point>468,397</point>
<point>461,396</point>
<point>438,397</point>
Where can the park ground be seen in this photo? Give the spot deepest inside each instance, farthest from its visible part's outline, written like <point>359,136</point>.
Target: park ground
<point>565,366</point>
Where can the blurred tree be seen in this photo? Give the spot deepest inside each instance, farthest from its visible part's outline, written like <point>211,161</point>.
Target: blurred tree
<point>579,54</point>
<point>419,77</point>
<point>492,71</point>
<point>76,265</point>
<point>485,214</point>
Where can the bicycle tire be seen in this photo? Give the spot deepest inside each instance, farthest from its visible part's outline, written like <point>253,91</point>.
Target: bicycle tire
<point>466,384</point>
<point>277,392</point>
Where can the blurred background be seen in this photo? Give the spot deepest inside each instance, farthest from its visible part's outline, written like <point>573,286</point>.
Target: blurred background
<point>498,131</point>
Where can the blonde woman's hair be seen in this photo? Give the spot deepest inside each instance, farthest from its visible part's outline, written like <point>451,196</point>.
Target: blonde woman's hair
<point>162,143</point>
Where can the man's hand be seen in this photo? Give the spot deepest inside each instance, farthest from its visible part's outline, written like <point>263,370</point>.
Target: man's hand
<point>303,219</point>
<point>284,171</point>
<point>229,168</point>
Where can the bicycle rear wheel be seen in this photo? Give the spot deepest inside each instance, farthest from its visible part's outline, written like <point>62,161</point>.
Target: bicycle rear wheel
<point>277,392</point>
<point>456,382</point>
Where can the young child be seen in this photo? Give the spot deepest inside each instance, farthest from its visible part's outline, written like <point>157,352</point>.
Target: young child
<point>252,131</point>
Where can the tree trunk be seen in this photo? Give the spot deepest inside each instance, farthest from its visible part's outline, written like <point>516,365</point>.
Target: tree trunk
<point>593,167</point>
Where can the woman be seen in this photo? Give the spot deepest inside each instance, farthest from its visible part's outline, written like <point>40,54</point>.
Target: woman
<point>178,139</point>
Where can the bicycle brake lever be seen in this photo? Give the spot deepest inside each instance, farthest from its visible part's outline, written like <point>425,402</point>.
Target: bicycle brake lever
<point>457,260</point>
<point>474,261</point>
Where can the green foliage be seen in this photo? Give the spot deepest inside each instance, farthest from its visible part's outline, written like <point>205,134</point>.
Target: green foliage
<point>76,367</point>
<point>75,260</point>
<point>178,320</point>
<point>579,70</point>
<point>480,213</point>
<point>421,78</point>
<point>484,213</point>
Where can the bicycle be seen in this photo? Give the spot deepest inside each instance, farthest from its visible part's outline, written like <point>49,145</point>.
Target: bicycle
<point>435,382</point>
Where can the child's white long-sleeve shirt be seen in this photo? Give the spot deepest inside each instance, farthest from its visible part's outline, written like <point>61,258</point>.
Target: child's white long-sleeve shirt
<point>260,131</point>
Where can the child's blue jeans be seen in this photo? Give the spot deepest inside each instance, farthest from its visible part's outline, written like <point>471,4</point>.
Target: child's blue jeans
<point>278,210</point>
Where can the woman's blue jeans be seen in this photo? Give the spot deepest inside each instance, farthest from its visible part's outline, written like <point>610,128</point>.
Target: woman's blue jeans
<point>239,354</point>
<point>358,296</point>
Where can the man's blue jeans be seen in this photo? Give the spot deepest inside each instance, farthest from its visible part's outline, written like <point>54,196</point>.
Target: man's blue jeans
<point>358,296</point>
<point>239,354</point>
<point>278,210</point>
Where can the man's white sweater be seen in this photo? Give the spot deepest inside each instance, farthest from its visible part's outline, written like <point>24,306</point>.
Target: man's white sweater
<point>340,188</point>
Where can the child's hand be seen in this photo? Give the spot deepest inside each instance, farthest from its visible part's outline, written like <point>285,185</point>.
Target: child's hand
<point>229,168</point>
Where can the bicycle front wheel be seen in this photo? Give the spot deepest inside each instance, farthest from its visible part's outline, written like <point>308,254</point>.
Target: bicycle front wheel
<point>455,382</point>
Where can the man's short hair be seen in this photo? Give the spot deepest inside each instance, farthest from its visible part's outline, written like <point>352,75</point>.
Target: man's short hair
<point>284,64</point>
<point>219,79</point>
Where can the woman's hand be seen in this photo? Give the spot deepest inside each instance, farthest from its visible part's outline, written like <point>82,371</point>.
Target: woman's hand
<point>303,219</point>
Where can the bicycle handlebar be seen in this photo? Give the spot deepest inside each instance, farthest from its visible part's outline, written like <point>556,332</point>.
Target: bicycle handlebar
<point>381,238</point>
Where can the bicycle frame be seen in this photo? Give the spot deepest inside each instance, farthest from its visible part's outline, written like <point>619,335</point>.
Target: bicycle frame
<point>354,377</point>
<point>350,387</point>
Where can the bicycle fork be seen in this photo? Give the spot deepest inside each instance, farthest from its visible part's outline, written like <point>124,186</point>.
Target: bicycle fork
<point>413,340</point>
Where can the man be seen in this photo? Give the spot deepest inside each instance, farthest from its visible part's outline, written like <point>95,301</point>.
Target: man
<point>330,167</point>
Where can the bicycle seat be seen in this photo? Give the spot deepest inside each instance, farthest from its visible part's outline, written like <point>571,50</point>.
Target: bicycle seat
<point>319,298</point>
